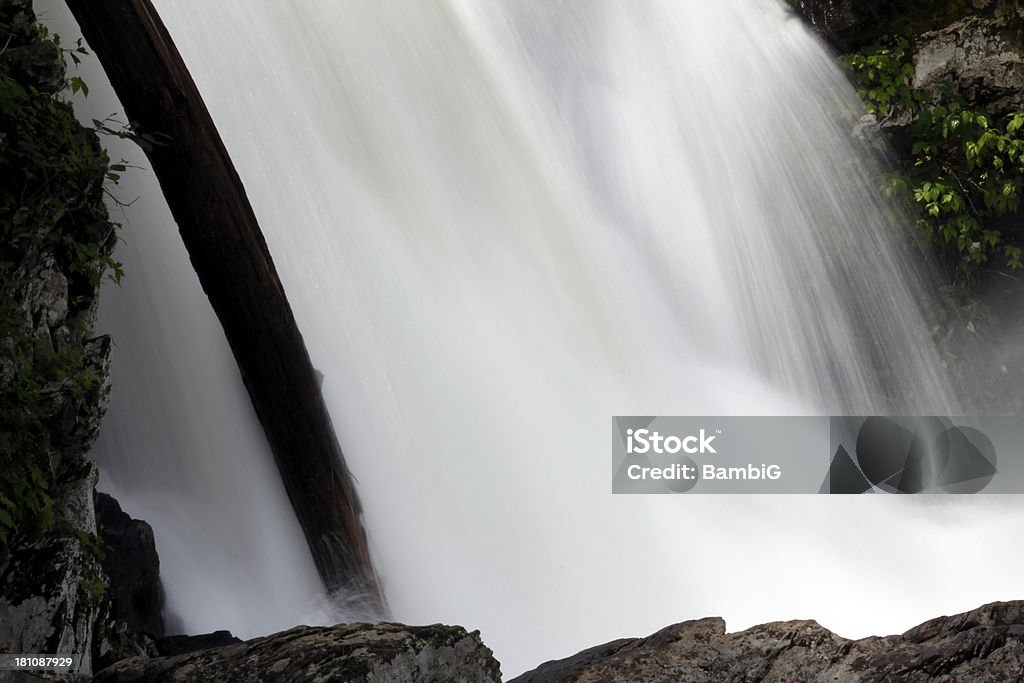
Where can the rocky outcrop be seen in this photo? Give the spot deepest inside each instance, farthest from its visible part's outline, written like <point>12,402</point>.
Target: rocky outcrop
<point>28,60</point>
<point>133,567</point>
<point>973,50</point>
<point>51,590</point>
<point>55,238</point>
<point>54,376</point>
<point>133,624</point>
<point>346,653</point>
<point>986,644</point>
<point>981,59</point>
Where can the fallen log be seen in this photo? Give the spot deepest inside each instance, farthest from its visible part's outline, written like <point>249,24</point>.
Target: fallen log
<point>230,256</point>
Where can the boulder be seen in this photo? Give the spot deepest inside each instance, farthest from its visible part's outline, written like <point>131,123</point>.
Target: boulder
<point>980,58</point>
<point>348,652</point>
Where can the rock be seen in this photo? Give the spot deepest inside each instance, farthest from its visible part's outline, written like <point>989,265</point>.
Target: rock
<point>46,295</point>
<point>133,567</point>
<point>51,591</point>
<point>827,17</point>
<point>79,435</point>
<point>179,645</point>
<point>40,64</point>
<point>849,25</point>
<point>25,57</point>
<point>986,644</point>
<point>347,652</point>
<point>22,20</point>
<point>51,367</point>
<point>979,59</point>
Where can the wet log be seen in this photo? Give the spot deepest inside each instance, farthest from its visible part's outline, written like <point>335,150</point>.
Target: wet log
<point>230,256</point>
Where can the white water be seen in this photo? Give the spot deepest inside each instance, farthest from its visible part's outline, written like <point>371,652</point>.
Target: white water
<point>499,224</point>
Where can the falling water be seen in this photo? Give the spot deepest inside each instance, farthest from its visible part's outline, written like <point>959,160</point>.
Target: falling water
<point>499,224</point>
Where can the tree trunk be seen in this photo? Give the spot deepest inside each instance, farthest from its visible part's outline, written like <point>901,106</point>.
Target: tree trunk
<point>227,249</point>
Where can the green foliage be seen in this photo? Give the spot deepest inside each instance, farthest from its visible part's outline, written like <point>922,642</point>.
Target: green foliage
<point>52,177</point>
<point>93,588</point>
<point>133,132</point>
<point>91,544</point>
<point>965,170</point>
<point>884,76</point>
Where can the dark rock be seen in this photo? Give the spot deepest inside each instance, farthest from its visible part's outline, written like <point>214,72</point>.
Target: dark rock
<point>78,436</point>
<point>348,652</point>
<point>986,644</point>
<point>827,17</point>
<point>131,563</point>
<point>178,645</point>
<point>51,590</point>
<point>41,65</point>
<point>18,14</point>
<point>25,57</point>
<point>848,25</point>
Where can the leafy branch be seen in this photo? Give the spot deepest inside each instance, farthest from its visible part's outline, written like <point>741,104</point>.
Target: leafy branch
<point>966,169</point>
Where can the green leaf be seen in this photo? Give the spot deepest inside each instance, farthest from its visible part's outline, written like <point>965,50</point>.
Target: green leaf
<point>77,84</point>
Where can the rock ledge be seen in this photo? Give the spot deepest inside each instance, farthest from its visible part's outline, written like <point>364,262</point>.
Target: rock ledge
<point>347,652</point>
<point>986,644</point>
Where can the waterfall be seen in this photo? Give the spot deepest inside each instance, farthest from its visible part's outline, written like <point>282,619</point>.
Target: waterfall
<point>499,224</point>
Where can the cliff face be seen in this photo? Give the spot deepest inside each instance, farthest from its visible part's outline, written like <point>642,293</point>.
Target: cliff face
<point>55,242</point>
